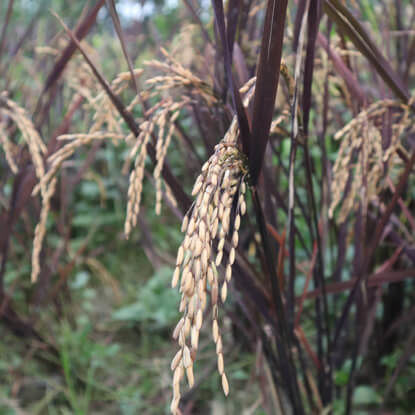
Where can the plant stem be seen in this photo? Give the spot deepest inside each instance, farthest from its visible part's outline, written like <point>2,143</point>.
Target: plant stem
<point>284,350</point>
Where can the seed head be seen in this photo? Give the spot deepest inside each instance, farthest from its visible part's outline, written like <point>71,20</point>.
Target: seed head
<point>211,237</point>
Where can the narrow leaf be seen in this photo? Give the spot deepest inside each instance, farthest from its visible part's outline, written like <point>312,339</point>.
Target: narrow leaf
<point>67,53</point>
<point>350,26</point>
<point>5,26</point>
<point>268,73</point>
<point>118,29</point>
<point>312,25</point>
<point>236,98</point>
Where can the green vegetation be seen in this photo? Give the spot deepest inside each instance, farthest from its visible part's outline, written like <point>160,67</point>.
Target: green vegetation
<point>318,313</point>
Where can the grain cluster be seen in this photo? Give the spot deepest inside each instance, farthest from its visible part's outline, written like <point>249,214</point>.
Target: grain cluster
<point>364,159</point>
<point>211,235</point>
<point>11,111</point>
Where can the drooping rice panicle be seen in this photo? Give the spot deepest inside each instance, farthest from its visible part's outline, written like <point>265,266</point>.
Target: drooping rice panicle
<point>211,224</point>
<point>7,148</point>
<point>362,160</point>
<point>214,218</point>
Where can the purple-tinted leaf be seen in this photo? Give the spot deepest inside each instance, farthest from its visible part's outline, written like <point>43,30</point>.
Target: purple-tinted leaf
<point>196,18</point>
<point>236,97</point>
<point>313,23</point>
<point>373,245</point>
<point>350,26</point>
<point>341,68</point>
<point>232,17</point>
<point>268,73</point>
<point>5,26</point>
<point>118,29</point>
<point>82,30</point>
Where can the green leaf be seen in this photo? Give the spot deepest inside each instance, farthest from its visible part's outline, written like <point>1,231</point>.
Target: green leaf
<point>80,280</point>
<point>366,395</point>
<point>156,304</point>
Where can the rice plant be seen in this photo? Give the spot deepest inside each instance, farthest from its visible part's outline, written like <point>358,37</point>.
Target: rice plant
<point>279,135</point>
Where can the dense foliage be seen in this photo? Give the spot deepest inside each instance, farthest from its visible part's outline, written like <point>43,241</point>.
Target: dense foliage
<point>108,115</point>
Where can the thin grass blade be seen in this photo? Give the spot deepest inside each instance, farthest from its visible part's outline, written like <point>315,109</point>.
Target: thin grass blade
<point>350,26</point>
<point>268,74</point>
<point>118,29</point>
